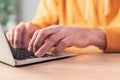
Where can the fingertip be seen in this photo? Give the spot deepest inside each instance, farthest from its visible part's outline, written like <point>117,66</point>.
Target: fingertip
<point>15,47</point>
<point>29,49</point>
<point>39,54</point>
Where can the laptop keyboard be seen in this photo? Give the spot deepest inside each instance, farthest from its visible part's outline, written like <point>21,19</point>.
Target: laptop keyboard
<point>21,54</point>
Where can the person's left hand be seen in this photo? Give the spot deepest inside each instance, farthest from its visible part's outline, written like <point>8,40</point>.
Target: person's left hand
<point>60,37</point>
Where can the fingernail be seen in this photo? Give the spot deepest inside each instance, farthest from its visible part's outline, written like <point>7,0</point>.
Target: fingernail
<point>39,54</point>
<point>16,47</point>
<point>29,49</point>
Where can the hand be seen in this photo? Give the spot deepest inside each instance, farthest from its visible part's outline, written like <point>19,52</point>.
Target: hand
<point>20,35</point>
<point>63,37</point>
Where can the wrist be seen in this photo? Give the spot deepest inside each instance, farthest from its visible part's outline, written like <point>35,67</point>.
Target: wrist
<point>98,38</point>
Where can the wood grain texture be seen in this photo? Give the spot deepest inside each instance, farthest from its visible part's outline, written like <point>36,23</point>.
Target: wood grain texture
<point>91,64</point>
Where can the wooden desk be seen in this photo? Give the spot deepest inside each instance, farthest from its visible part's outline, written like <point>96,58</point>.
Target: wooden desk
<point>87,66</point>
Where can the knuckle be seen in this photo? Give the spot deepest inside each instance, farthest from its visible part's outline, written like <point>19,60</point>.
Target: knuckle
<point>12,28</point>
<point>29,23</point>
<point>52,39</point>
<point>52,26</point>
<point>21,23</point>
<point>43,32</point>
<point>10,32</point>
<point>18,29</point>
<point>36,31</point>
<point>64,43</point>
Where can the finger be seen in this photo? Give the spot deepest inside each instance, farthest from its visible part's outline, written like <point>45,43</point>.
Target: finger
<point>61,46</point>
<point>43,35</point>
<point>32,28</point>
<point>18,35</point>
<point>51,41</point>
<point>38,42</point>
<point>30,46</point>
<point>8,36</point>
<point>28,33</point>
<point>11,36</point>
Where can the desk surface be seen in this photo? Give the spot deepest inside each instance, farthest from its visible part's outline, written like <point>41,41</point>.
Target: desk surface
<point>91,64</point>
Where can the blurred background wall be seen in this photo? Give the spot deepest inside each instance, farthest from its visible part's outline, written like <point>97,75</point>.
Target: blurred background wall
<point>26,9</point>
<point>14,11</point>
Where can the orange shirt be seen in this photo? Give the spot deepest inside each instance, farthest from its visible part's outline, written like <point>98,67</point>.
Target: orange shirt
<point>103,14</point>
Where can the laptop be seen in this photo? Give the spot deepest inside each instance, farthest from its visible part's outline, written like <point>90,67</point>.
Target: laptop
<point>21,57</point>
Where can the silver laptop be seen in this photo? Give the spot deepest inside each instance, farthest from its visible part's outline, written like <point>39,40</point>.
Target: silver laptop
<point>21,56</point>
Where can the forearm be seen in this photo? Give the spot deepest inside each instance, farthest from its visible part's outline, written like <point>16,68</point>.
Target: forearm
<point>98,38</point>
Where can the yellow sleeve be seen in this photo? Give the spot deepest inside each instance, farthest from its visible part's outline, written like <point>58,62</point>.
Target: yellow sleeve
<point>113,38</point>
<point>46,13</point>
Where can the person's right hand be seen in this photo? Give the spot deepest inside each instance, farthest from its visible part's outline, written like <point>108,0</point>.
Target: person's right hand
<point>20,35</point>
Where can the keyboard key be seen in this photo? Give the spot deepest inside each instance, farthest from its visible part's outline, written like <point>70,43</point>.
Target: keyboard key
<point>22,53</point>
